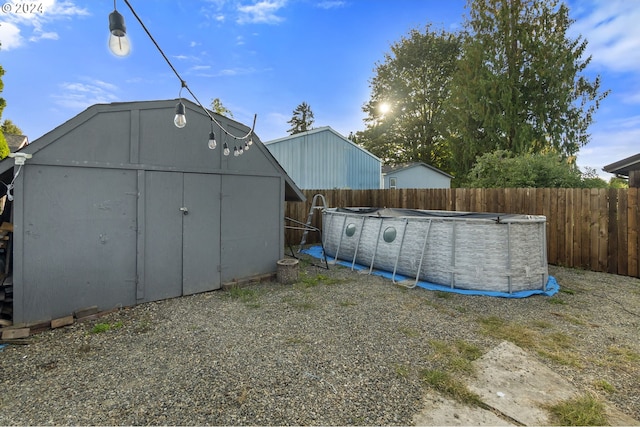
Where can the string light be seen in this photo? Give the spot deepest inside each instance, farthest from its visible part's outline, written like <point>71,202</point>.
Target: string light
<point>212,139</point>
<point>117,28</point>
<point>118,40</point>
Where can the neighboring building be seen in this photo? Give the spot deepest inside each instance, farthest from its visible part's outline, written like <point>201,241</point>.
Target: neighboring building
<point>628,168</point>
<point>16,142</point>
<point>323,159</point>
<point>117,207</point>
<point>415,175</point>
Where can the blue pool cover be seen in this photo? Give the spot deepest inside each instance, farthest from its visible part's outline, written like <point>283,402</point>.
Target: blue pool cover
<point>552,284</point>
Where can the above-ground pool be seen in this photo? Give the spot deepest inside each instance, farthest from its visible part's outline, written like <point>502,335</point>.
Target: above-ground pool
<point>461,250</point>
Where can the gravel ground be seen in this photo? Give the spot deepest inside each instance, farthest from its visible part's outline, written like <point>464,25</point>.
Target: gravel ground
<point>318,352</point>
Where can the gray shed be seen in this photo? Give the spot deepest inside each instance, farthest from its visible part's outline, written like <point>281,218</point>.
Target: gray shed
<point>118,206</point>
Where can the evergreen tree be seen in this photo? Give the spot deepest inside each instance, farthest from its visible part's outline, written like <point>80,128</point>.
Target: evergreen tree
<point>519,84</point>
<point>8,127</point>
<point>302,119</point>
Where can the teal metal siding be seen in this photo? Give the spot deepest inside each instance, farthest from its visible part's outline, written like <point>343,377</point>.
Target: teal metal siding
<point>323,159</point>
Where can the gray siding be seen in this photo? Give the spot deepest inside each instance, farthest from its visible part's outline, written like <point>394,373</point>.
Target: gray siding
<point>323,159</point>
<point>418,177</point>
<point>99,211</point>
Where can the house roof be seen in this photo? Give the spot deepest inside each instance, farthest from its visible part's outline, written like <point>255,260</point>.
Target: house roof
<point>624,166</point>
<point>16,142</point>
<point>318,130</point>
<point>292,192</point>
<point>387,169</point>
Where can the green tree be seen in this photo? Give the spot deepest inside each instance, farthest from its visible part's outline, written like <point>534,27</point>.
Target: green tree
<point>218,108</point>
<point>302,119</point>
<point>4,148</point>
<point>504,169</point>
<point>404,113</point>
<point>520,84</point>
<point>8,127</point>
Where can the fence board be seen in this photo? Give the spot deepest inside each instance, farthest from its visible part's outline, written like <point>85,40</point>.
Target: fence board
<point>633,221</point>
<point>589,228</point>
<point>585,228</point>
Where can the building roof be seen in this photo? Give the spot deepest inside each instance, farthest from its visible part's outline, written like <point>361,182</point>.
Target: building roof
<point>16,142</point>
<point>624,166</point>
<point>318,130</point>
<point>292,192</point>
<point>387,169</point>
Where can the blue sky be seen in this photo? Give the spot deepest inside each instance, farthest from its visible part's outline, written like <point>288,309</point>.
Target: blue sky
<point>265,57</point>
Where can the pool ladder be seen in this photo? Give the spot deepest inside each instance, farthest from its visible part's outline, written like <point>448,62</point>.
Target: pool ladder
<point>314,206</point>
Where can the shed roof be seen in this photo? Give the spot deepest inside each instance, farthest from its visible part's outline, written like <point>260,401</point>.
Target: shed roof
<point>16,142</point>
<point>292,192</point>
<point>387,169</point>
<point>318,130</point>
<point>624,166</point>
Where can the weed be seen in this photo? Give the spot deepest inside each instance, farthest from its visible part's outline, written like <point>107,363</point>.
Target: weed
<point>99,328</point>
<point>347,303</point>
<point>623,354</point>
<point>452,387</point>
<point>409,332</point>
<point>443,295</point>
<point>554,346</point>
<point>583,410</point>
<point>246,295</point>
<point>558,301</point>
<point>402,371</point>
<point>306,281</point>
<point>605,385</point>
<point>567,291</point>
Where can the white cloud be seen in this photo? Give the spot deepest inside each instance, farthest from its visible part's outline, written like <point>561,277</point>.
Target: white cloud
<point>615,141</point>
<point>29,20</point>
<point>612,31</point>
<point>331,4</point>
<point>10,37</point>
<point>83,94</point>
<point>261,12</point>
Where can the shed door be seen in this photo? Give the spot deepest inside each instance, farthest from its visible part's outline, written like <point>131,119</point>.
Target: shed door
<point>182,235</point>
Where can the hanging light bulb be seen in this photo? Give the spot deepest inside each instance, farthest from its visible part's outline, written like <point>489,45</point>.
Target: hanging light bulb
<point>180,120</point>
<point>212,141</point>
<point>240,150</point>
<point>235,151</point>
<point>246,146</point>
<point>250,142</point>
<point>225,149</point>
<point>118,40</point>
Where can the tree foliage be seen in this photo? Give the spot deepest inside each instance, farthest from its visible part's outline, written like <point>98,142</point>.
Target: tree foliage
<point>519,84</point>
<point>8,127</point>
<point>4,148</point>
<point>503,169</point>
<point>218,108</point>
<point>407,93</point>
<point>302,119</point>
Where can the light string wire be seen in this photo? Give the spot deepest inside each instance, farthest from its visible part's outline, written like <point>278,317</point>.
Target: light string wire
<point>183,83</point>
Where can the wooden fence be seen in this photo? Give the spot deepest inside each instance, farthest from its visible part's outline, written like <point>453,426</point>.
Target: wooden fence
<point>594,229</point>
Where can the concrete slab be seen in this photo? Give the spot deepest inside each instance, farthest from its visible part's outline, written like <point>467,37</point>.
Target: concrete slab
<point>516,386</point>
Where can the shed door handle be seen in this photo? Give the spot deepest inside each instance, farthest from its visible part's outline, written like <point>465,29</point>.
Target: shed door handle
<point>184,210</point>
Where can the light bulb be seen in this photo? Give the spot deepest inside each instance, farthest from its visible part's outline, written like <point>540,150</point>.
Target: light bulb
<point>180,120</point>
<point>212,141</point>
<point>235,151</point>
<point>240,150</point>
<point>225,149</point>
<point>118,40</point>
<point>250,142</point>
<point>246,146</point>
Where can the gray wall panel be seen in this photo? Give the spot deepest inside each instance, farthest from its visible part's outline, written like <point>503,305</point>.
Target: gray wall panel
<point>79,239</point>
